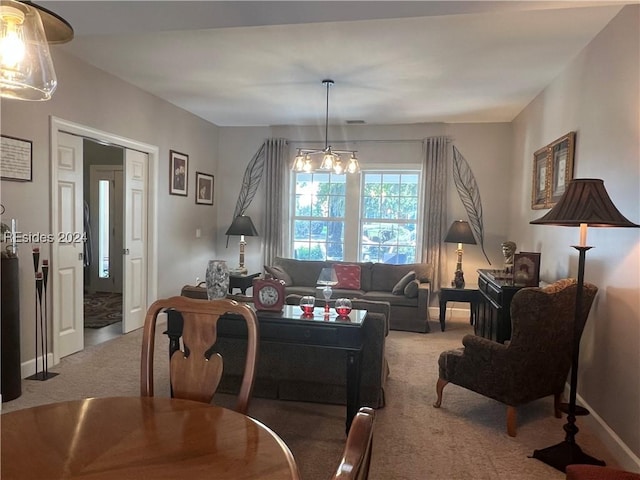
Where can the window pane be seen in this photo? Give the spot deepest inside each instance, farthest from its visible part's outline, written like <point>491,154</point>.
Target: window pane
<point>392,199</point>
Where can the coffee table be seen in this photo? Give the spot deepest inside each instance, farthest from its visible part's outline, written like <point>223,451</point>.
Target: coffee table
<point>290,326</point>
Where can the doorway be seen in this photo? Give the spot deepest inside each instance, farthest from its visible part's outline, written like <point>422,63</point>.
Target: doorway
<point>103,192</point>
<point>139,256</point>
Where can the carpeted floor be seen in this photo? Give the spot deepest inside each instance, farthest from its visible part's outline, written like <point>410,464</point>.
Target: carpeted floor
<point>465,439</point>
<point>102,309</point>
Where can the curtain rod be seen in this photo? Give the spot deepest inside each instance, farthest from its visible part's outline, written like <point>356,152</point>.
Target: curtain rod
<point>405,140</point>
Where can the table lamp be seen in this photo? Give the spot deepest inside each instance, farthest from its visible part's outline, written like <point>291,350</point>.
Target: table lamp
<point>584,203</point>
<point>459,232</point>
<point>242,225</point>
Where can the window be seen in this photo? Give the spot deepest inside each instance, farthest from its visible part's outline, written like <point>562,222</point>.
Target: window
<point>319,216</point>
<point>370,217</point>
<point>389,216</point>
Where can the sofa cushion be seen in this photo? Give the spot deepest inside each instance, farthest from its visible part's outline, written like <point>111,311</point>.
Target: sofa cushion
<point>348,276</point>
<point>303,273</point>
<point>385,276</point>
<point>398,288</point>
<point>399,300</point>
<point>411,289</point>
<point>279,273</point>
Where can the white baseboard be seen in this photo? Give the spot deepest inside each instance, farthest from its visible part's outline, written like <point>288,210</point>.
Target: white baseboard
<point>622,453</point>
<point>28,368</point>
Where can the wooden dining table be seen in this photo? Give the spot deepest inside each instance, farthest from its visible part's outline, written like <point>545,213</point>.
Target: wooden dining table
<point>139,438</point>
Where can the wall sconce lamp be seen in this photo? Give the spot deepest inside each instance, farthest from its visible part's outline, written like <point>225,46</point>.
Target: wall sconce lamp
<point>26,68</point>
<point>584,203</point>
<point>242,225</point>
<point>459,232</point>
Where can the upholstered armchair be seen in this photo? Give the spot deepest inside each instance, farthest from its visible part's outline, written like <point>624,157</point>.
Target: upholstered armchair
<point>534,364</point>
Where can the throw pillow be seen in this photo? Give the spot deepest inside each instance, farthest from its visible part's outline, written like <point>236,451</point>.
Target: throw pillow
<point>279,274</point>
<point>348,276</point>
<point>398,289</point>
<point>411,290</point>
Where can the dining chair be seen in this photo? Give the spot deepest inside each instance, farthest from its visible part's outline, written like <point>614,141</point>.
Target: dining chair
<point>196,370</point>
<point>356,457</point>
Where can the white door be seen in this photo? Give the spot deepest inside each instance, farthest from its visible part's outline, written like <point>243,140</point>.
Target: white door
<point>135,238</point>
<point>106,204</point>
<point>67,252</point>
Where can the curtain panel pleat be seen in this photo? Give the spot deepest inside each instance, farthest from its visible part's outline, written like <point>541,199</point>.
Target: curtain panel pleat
<point>435,161</point>
<point>275,181</point>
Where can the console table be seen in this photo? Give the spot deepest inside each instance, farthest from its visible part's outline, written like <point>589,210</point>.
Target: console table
<point>493,320</point>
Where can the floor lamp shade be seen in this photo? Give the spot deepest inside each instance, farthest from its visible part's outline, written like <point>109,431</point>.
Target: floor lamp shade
<point>584,203</point>
<point>242,225</point>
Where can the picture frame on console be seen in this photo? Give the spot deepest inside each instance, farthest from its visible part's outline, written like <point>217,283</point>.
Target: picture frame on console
<point>526,269</point>
<point>178,173</point>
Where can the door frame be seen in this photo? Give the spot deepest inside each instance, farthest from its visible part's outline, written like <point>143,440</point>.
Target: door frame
<point>58,125</point>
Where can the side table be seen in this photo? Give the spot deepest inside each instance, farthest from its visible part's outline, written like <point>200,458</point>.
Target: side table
<point>241,281</point>
<point>470,295</point>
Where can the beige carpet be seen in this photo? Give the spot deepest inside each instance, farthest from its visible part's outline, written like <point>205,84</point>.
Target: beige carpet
<point>465,439</point>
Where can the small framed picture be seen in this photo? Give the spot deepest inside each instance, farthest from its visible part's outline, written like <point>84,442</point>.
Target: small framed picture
<point>526,269</point>
<point>204,189</point>
<point>178,173</point>
<point>16,159</point>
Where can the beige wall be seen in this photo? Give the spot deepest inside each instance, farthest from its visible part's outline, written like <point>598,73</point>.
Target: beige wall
<point>486,147</point>
<point>598,97</point>
<point>89,97</point>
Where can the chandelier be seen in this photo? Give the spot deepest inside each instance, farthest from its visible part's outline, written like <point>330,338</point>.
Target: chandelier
<point>326,159</point>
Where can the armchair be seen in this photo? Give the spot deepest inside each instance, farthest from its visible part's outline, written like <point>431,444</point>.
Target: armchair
<point>534,363</point>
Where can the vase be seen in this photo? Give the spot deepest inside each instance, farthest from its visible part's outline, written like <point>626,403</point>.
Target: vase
<point>217,279</point>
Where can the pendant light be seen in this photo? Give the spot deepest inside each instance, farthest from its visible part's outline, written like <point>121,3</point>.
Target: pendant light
<point>325,160</point>
<point>26,68</point>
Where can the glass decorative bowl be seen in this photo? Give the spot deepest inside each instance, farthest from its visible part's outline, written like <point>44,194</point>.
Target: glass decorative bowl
<point>307,303</point>
<point>343,307</point>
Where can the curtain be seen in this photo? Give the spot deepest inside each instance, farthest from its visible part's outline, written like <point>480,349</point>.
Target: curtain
<point>435,161</point>
<point>276,167</point>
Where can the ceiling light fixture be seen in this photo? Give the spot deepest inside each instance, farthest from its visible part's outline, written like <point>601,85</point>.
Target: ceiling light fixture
<point>26,68</point>
<point>325,160</point>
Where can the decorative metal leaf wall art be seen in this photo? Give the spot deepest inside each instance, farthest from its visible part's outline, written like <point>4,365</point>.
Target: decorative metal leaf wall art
<point>470,195</point>
<point>250,181</point>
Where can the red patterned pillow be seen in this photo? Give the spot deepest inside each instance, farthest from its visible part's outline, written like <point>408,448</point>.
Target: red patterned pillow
<point>348,276</point>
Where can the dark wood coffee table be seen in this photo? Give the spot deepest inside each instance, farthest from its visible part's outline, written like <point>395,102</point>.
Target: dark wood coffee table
<point>320,330</point>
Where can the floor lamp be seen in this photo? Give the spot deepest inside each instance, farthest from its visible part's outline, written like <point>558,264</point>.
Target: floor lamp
<point>584,203</point>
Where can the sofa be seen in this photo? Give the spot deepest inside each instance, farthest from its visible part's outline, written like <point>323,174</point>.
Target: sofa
<point>406,288</point>
<point>305,373</point>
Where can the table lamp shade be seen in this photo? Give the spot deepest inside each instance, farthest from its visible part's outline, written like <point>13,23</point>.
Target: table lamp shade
<point>242,225</point>
<point>460,232</point>
<point>585,201</point>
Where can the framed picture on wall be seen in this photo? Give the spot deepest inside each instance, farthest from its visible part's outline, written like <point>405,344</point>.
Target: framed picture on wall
<point>16,159</point>
<point>552,171</point>
<point>539,187</point>
<point>526,269</point>
<point>204,189</point>
<point>178,173</point>
<point>561,166</point>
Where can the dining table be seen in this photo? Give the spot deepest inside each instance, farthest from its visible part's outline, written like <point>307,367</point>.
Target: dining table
<point>140,438</point>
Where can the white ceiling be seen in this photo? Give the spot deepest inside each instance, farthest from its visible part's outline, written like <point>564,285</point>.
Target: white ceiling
<point>262,63</point>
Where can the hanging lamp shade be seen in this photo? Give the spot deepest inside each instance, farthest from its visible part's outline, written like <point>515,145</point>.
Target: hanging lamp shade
<point>26,68</point>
